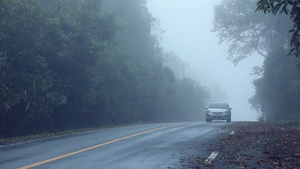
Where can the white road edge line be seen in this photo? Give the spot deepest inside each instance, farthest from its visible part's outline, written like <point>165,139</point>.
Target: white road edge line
<point>211,157</point>
<point>232,133</point>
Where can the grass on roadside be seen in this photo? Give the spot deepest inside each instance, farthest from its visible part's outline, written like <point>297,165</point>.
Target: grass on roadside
<point>6,141</point>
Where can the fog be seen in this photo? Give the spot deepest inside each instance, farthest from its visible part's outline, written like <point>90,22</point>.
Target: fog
<point>110,62</point>
<point>187,29</point>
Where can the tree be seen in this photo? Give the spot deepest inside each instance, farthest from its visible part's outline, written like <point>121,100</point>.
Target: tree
<point>291,7</point>
<point>274,92</point>
<point>246,31</point>
<point>27,88</point>
<point>188,100</point>
<point>47,52</point>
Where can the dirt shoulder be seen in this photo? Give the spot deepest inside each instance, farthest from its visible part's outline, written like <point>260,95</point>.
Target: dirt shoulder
<point>253,145</point>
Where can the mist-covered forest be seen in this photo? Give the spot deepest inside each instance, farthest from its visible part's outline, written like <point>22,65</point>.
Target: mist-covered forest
<point>269,28</point>
<point>68,64</point>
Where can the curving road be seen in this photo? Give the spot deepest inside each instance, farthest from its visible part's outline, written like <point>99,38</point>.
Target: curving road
<point>140,146</point>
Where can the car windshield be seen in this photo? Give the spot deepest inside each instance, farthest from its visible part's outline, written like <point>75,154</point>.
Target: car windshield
<point>218,105</point>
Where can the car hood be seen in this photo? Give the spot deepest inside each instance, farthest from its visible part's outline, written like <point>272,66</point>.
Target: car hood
<point>216,110</point>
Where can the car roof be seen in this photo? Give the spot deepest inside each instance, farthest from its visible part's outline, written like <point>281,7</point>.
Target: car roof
<point>218,104</point>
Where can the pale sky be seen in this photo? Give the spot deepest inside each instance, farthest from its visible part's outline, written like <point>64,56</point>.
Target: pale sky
<point>187,25</point>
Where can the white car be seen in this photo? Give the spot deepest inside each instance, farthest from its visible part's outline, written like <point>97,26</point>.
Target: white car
<point>218,111</point>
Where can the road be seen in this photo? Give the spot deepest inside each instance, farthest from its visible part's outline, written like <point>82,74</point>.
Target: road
<point>150,146</point>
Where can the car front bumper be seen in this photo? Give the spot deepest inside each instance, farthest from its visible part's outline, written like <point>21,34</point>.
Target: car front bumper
<point>218,116</point>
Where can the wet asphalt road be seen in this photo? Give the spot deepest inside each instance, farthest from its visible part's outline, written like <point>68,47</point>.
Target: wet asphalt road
<point>150,146</point>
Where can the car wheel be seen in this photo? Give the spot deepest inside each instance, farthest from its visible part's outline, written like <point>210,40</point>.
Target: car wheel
<point>208,120</point>
<point>229,120</point>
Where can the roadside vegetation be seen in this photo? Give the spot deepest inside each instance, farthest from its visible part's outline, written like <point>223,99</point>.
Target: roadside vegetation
<point>70,64</point>
<point>52,134</point>
<point>273,37</point>
<point>49,134</point>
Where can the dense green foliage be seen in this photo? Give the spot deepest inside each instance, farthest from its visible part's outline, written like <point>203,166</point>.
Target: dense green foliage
<point>277,90</point>
<point>68,64</point>
<point>276,95</point>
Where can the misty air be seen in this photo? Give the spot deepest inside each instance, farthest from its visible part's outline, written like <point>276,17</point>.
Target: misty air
<point>149,84</point>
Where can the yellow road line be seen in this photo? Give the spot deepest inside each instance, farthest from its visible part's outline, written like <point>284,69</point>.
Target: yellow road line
<point>93,147</point>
